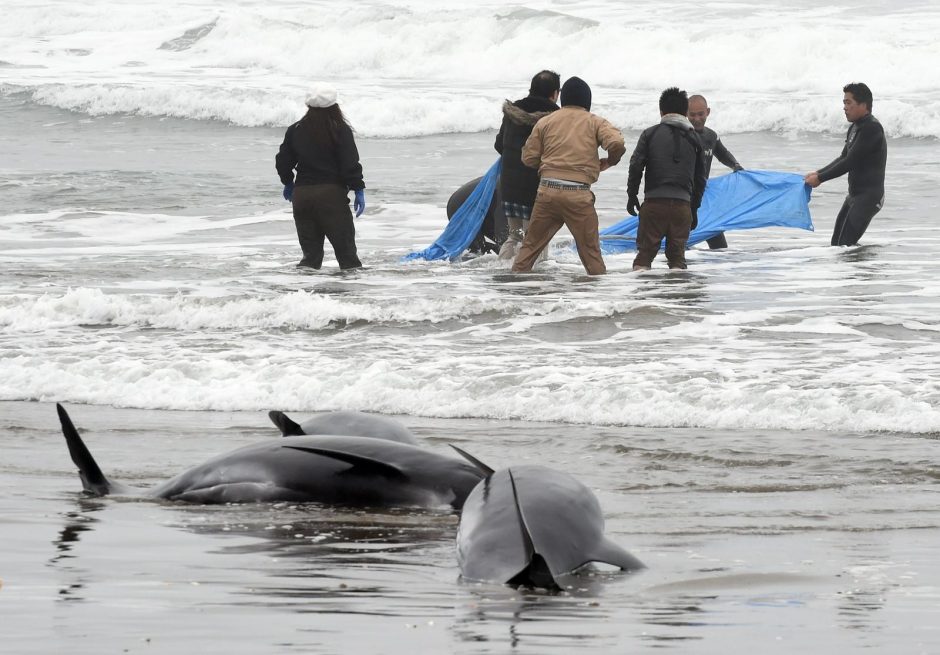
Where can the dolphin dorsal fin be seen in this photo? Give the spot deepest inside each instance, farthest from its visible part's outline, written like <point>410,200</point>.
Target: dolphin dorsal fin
<point>360,464</point>
<point>93,479</point>
<point>486,470</point>
<point>287,427</point>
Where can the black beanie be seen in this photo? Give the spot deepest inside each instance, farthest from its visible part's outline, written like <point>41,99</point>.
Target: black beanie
<point>576,91</point>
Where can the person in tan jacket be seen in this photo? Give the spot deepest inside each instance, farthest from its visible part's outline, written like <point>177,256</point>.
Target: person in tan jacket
<point>563,147</point>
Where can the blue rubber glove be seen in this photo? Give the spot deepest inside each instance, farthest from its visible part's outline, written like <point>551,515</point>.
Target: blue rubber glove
<point>289,192</point>
<point>360,203</point>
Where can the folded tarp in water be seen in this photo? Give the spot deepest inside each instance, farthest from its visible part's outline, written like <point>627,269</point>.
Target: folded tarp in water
<point>465,224</point>
<point>737,201</point>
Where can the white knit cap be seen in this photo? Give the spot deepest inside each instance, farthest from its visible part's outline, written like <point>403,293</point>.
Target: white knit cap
<point>321,95</point>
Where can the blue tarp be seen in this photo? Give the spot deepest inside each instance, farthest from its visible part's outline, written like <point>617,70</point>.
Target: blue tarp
<point>466,222</point>
<point>737,201</point>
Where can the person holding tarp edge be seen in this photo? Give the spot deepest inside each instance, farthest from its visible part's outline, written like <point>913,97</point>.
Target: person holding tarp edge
<point>863,157</point>
<point>699,111</point>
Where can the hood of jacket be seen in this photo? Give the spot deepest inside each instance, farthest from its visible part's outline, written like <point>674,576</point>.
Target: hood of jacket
<point>520,116</point>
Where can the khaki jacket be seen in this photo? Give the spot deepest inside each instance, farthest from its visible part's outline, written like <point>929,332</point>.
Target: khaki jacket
<point>563,145</point>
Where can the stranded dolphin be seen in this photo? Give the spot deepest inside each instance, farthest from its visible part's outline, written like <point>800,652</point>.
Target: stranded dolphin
<point>359,471</point>
<point>531,525</point>
<point>350,424</point>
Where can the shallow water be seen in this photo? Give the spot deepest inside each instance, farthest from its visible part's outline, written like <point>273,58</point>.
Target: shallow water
<point>779,540</point>
<point>760,430</point>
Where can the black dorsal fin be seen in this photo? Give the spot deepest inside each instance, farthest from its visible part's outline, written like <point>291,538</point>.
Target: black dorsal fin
<point>486,470</point>
<point>360,465</point>
<point>287,427</point>
<point>93,479</point>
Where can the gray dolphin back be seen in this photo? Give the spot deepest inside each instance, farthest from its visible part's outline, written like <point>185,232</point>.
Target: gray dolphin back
<point>531,525</point>
<point>345,423</point>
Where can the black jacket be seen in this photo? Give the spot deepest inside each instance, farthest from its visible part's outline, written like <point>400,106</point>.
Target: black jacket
<point>336,162</point>
<point>517,182</point>
<point>864,158</point>
<point>713,147</point>
<point>671,155</point>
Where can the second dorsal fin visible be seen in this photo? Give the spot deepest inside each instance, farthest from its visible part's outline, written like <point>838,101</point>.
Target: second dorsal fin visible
<point>486,470</point>
<point>360,465</point>
<point>287,427</point>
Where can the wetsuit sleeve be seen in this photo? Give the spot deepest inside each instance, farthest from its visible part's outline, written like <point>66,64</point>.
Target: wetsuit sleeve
<point>611,140</point>
<point>724,156</point>
<point>532,150</point>
<point>347,155</point>
<point>867,143</point>
<point>286,159</point>
<point>499,137</point>
<point>700,177</point>
<point>637,164</point>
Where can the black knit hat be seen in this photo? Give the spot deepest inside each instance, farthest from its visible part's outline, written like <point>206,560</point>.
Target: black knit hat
<point>576,92</point>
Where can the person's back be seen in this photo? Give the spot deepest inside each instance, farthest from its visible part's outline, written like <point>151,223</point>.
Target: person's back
<point>563,147</point>
<point>569,140</point>
<point>670,154</point>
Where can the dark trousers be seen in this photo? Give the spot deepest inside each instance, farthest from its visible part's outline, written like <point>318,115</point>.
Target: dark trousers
<point>322,210</point>
<point>854,217</point>
<point>663,217</point>
<point>553,209</point>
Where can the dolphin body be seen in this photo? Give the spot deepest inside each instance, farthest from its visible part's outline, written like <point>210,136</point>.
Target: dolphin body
<point>351,424</point>
<point>531,526</point>
<point>342,470</point>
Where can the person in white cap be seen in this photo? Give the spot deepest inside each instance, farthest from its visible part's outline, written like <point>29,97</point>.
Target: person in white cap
<point>321,147</point>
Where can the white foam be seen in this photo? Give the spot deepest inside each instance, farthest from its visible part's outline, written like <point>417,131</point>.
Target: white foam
<point>418,69</point>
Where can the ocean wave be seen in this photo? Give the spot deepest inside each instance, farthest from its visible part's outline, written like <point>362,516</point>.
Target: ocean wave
<point>249,65</point>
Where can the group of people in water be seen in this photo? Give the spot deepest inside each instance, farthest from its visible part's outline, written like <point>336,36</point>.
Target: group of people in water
<point>548,142</point>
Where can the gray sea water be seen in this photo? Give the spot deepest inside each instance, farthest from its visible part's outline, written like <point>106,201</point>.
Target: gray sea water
<point>761,431</point>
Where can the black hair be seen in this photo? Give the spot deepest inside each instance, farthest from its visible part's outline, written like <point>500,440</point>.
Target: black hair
<point>545,83</point>
<point>674,101</point>
<point>324,123</point>
<point>860,92</point>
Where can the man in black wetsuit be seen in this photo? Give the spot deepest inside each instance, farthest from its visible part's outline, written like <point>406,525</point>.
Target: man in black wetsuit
<point>863,158</point>
<point>712,146</point>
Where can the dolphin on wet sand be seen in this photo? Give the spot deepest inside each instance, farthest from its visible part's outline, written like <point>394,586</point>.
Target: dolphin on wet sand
<point>342,470</point>
<point>351,424</point>
<point>531,526</point>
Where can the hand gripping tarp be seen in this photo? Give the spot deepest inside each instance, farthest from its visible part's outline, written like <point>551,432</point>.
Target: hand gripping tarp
<point>737,201</point>
<point>466,222</point>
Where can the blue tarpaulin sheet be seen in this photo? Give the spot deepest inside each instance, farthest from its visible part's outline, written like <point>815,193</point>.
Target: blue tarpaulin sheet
<point>738,201</point>
<point>466,222</point>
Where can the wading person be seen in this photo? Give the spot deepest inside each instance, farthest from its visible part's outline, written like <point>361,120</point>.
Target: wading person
<point>563,148</point>
<point>670,154</point>
<point>699,111</point>
<point>517,182</point>
<point>322,149</point>
<point>863,158</point>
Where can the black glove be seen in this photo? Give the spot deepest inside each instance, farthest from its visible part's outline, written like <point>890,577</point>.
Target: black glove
<point>694,219</point>
<point>738,167</point>
<point>633,205</point>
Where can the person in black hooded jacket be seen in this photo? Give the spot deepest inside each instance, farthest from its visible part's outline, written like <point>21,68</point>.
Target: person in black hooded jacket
<point>322,149</point>
<point>518,183</point>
